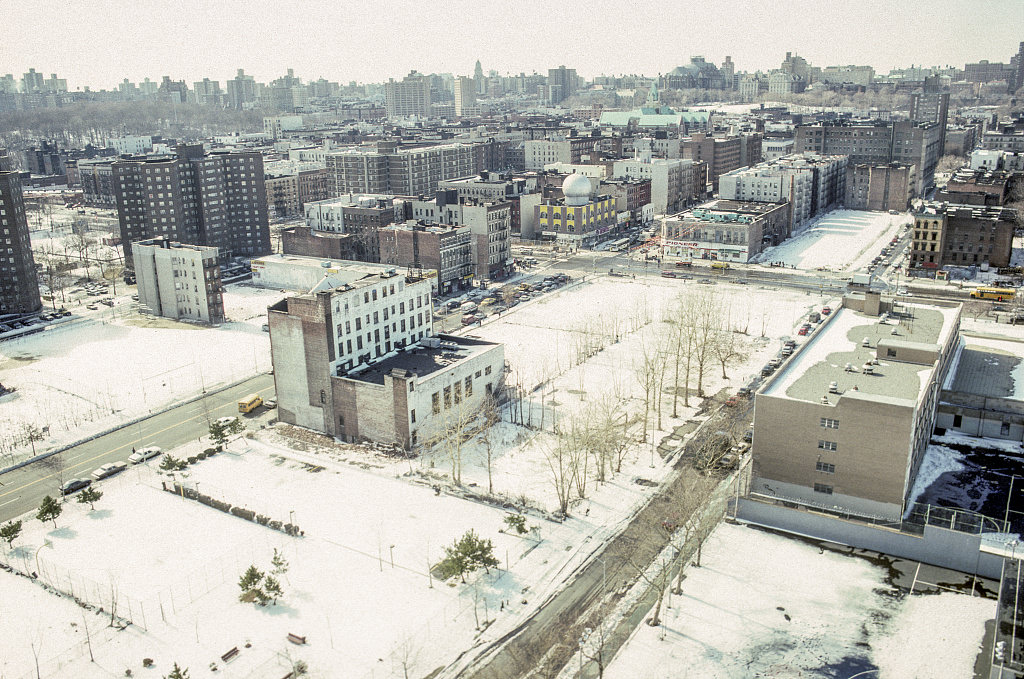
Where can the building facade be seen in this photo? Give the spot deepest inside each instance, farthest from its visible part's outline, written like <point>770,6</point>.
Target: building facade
<point>441,253</point>
<point>408,97</point>
<point>846,421</point>
<point>358,360</point>
<point>879,187</point>
<point>672,180</point>
<point>961,235</point>
<point>810,183</point>
<point>577,220</point>
<point>19,287</point>
<point>178,281</point>
<point>724,230</point>
<point>216,199</point>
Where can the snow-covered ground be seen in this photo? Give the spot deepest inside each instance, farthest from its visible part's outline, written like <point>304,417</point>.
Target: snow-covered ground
<point>840,240</point>
<point>78,378</point>
<point>763,605</point>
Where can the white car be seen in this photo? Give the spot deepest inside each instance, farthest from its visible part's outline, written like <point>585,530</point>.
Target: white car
<point>227,421</point>
<point>143,454</point>
<point>109,469</point>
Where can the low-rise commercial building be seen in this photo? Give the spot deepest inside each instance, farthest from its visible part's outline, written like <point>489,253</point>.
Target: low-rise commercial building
<point>724,230</point>
<point>578,219</point>
<point>178,281</point>
<point>846,421</point>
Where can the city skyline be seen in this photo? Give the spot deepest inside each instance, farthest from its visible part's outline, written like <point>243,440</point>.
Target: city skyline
<point>986,30</point>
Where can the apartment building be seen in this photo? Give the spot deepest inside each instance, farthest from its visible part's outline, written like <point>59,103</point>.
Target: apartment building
<point>812,184</point>
<point>722,154</point>
<point>357,215</point>
<point>879,187</point>
<point>573,150</point>
<point>408,97</point>
<point>490,225</point>
<point>290,186</point>
<point>216,199</point>
<point>406,171</point>
<point>521,193</point>
<point>724,230</point>
<point>977,187</point>
<point>178,281</point>
<point>877,142</point>
<point>846,421</point>
<point>441,253</point>
<point>96,176</point>
<point>673,181</point>
<point>929,106</point>
<point>19,287</point>
<point>961,235</point>
<point>1009,140</point>
<point>356,357</point>
<point>465,96</point>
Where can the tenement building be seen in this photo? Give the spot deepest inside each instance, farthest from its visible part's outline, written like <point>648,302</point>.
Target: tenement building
<point>356,357</point>
<point>879,187</point>
<point>178,281</point>
<point>19,289</point>
<point>812,184</point>
<point>846,421</point>
<point>215,199</point>
<point>961,235</point>
<point>442,253</point>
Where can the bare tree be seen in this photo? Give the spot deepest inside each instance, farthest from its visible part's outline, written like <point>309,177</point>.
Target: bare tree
<point>560,455</point>
<point>56,465</point>
<point>646,367</point>
<point>728,349</point>
<point>951,163</point>
<point>490,415</point>
<point>452,429</point>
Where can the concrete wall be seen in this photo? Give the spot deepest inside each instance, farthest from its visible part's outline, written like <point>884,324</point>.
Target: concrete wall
<point>938,546</point>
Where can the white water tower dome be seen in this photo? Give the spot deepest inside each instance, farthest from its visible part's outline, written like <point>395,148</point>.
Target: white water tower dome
<point>576,189</point>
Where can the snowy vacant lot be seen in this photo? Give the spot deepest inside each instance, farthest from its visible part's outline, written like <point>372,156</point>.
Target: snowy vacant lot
<point>82,377</point>
<point>841,240</point>
<point>763,605</point>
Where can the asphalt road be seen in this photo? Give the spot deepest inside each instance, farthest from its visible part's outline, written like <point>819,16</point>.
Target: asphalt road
<point>23,489</point>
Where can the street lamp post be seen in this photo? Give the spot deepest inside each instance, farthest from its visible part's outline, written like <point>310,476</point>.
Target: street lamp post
<point>1006,515</point>
<point>392,549</point>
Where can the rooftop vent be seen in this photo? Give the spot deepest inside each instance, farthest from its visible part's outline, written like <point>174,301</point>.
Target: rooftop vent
<point>866,342</point>
<point>824,400</point>
<point>833,387</point>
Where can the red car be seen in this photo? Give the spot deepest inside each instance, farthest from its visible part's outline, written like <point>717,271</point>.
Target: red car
<point>826,310</point>
<point>802,331</point>
<point>732,401</point>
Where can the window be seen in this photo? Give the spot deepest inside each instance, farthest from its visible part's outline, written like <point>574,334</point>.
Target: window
<point>435,402</point>
<point>829,423</point>
<point>458,392</point>
<point>447,397</point>
<point>891,353</point>
<point>823,488</point>
<point>478,374</point>
<point>826,467</point>
<point>412,415</point>
<point>469,387</point>
<point>1004,428</point>
<point>827,445</point>
<point>487,370</point>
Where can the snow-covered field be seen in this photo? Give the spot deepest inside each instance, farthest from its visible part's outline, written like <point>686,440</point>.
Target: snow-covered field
<point>840,240</point>
<point>763,605</point>
<point>82,377</point>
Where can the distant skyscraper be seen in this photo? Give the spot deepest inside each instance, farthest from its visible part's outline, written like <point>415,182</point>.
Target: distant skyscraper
<point>562,83</point>
<point>1018,62</point>
<point>408,97</point>
<point>930,106</point>
<point>465,95</point>
<point>19,289</point>
<point>241,90</point>
<point>478,78</point>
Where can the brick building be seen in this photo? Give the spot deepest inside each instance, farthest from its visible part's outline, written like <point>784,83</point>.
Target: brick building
<point>442,253</point>
<point>879,187</point>
<point>961,235</point>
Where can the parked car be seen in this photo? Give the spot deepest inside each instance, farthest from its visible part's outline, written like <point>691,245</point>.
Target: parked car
<point>228,420</point>
<point>75,485</point>
<point>748,436</point>
<point>744,392</point>
<point>91,307</point>
<point>668,274</point>
<point>109,469</point>
<point>270,404</point>
<point>143,454</point>
<point>732,401</point>
<point>802,331</point>
<point>826,310</point>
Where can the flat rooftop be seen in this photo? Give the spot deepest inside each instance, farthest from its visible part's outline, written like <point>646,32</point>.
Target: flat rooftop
<point>989,367</point>
<point>823,359</point>
<point>423,360</point>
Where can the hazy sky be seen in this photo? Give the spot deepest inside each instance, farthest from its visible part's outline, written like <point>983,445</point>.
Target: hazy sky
<point>99,42</point>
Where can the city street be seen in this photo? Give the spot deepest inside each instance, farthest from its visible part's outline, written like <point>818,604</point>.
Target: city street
<point>22,489</point>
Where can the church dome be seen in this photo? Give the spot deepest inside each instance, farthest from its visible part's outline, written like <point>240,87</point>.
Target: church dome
<point>576,189</point>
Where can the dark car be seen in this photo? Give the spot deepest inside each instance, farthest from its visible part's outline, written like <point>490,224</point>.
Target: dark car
<point>74,485</point>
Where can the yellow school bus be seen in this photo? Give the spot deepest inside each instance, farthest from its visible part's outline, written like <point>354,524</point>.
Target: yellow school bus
<point>249,403</point>
<point>719,265</point>
<point>1000,294</point>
